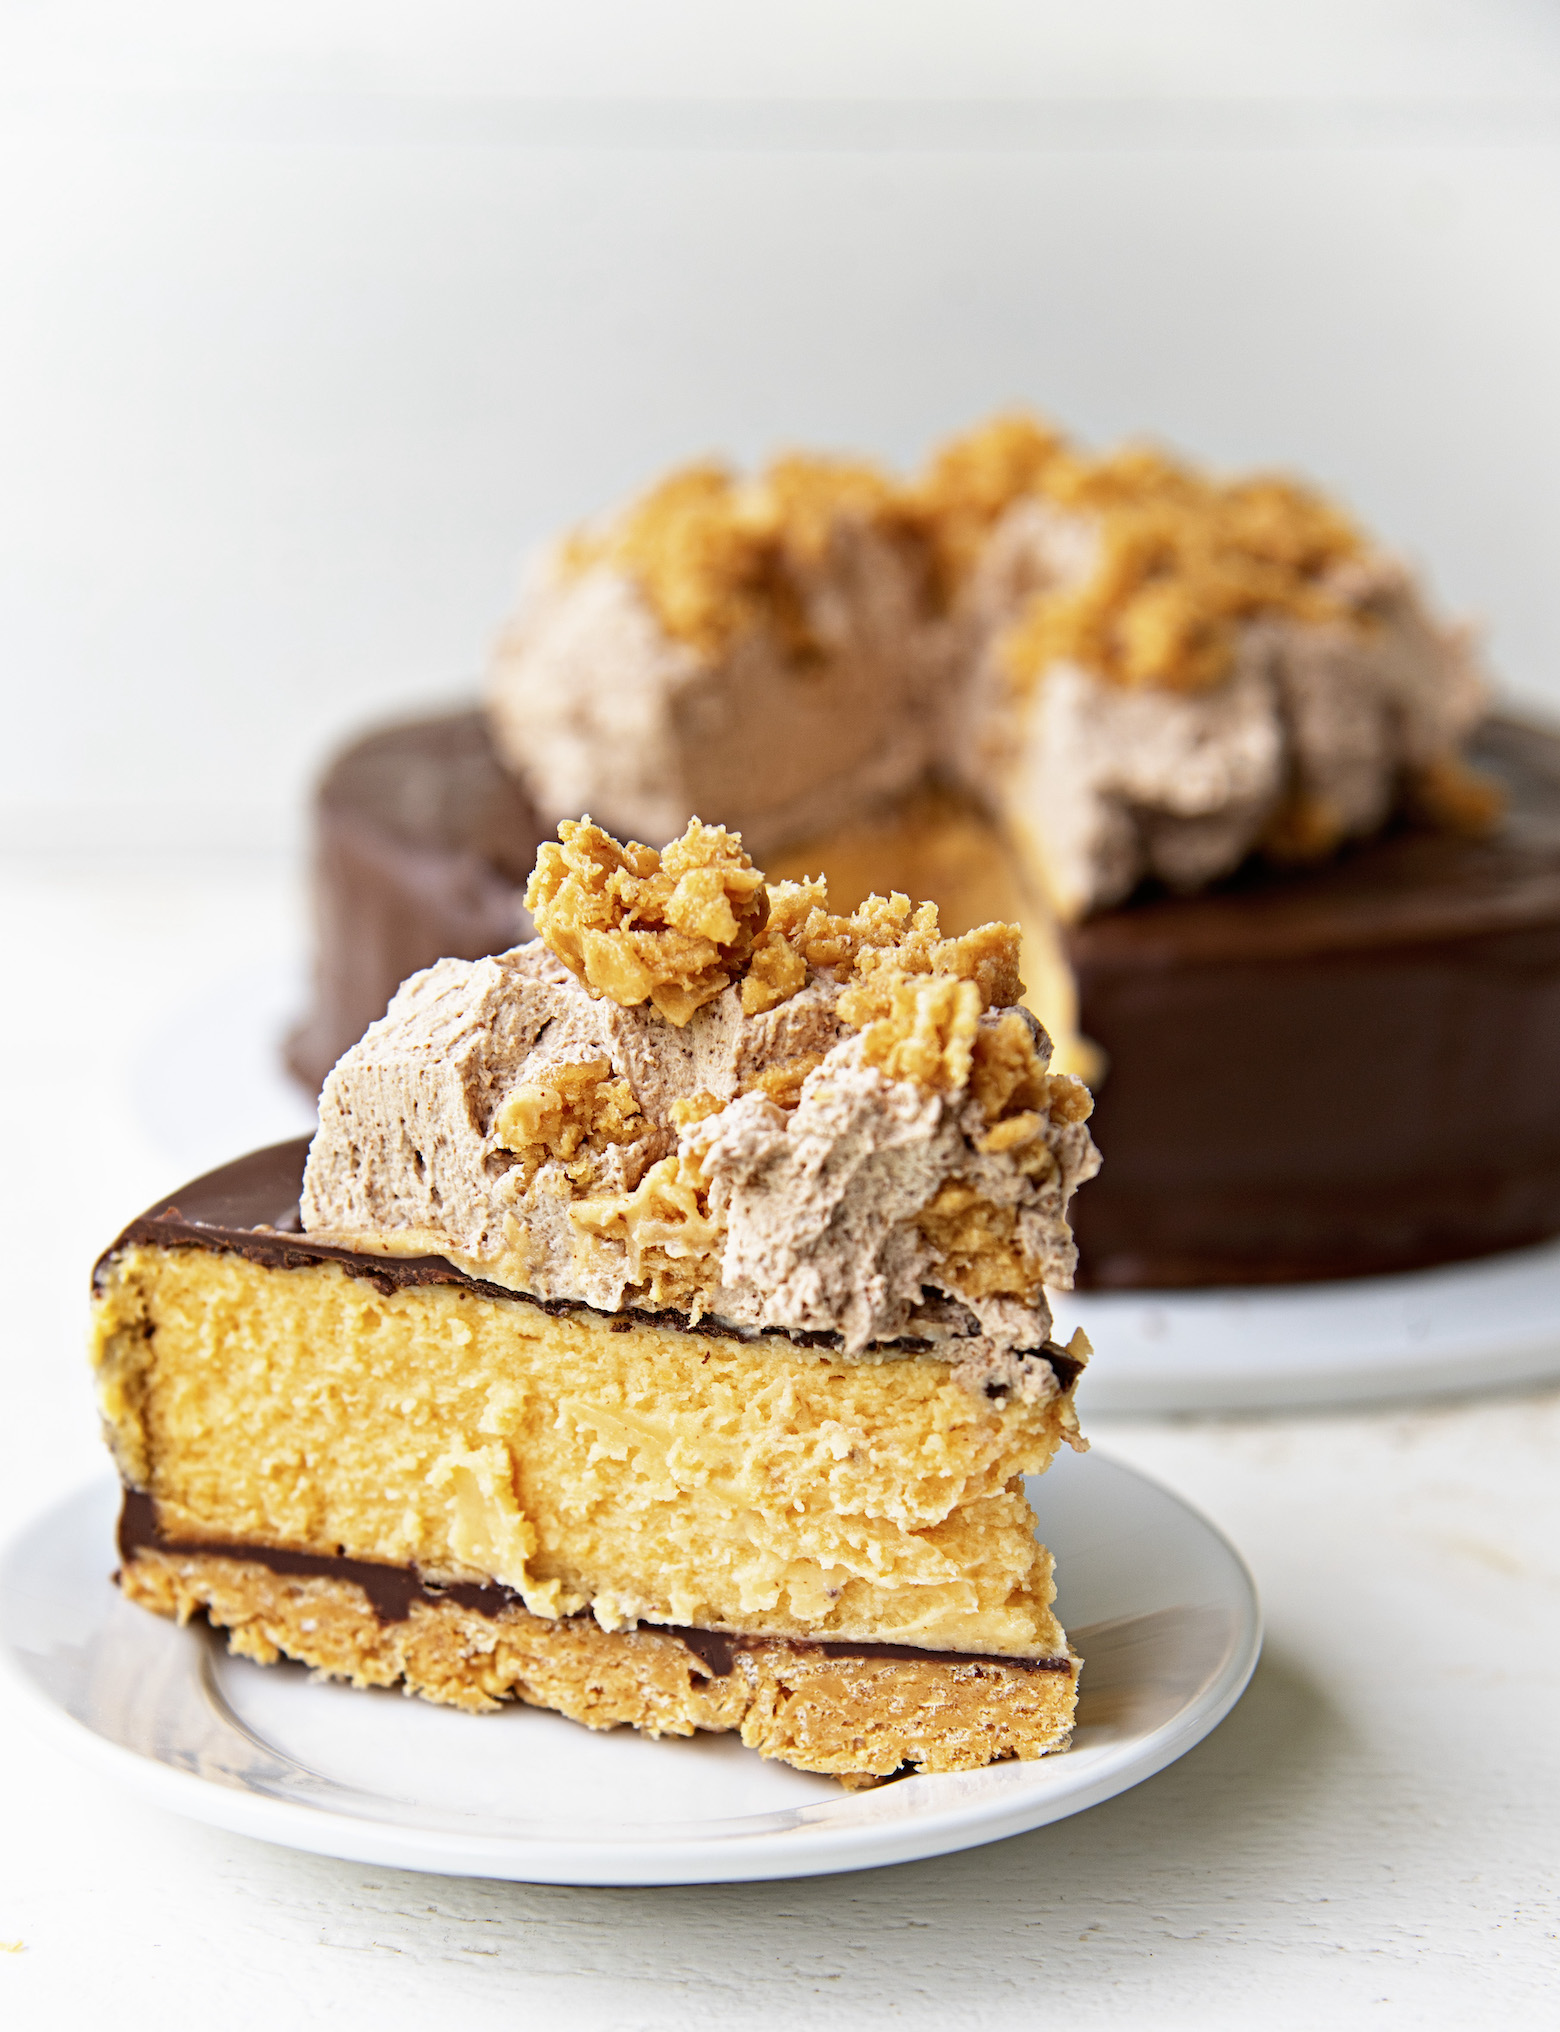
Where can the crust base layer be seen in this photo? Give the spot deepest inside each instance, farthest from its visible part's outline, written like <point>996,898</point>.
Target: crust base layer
<point>859,1719</point>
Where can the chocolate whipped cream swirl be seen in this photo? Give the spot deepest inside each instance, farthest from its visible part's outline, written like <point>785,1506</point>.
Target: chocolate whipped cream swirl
<point>701,1094</point>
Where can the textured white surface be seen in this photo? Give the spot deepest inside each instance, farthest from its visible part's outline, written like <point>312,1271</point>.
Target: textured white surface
<point>1368,1840</point>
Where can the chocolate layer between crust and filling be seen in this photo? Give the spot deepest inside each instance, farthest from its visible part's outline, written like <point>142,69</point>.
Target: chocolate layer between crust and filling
<point>249,1208</point>
<point>391,1591</point>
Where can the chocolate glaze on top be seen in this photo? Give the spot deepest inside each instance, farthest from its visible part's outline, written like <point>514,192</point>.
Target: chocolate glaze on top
<point>249,1208</point>
<point>1349,1070</point>
<point>392,1590</point>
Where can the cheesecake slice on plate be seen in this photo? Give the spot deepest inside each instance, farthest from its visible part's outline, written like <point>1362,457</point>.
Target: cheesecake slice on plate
<point>655,1331</point>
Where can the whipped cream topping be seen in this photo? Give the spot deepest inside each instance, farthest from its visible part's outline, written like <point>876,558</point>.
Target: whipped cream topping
<point>1212,668</point>
<point>873,1150</point>
<point>1308,741</point>
<point>597,706</point>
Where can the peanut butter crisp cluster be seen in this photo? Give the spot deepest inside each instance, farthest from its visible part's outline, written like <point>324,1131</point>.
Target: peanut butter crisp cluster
<point>703,1094</point>
<point>1140,668</point>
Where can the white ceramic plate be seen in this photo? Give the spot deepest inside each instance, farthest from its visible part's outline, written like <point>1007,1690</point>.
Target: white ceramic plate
<point>1159,1605</point>
<point>1468,1327</point>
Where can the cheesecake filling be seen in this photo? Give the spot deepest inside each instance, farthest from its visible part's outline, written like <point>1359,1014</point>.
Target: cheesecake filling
<point>393,1591</point>
<point>637,1470</point>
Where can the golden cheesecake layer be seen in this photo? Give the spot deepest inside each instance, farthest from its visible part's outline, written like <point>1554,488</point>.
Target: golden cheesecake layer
<point>755,1485</point>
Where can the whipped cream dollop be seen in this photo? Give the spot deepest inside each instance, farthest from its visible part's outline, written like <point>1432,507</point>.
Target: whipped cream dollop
<point>726,648</point>
<point>1315,733</point>
<point>842,1127</point>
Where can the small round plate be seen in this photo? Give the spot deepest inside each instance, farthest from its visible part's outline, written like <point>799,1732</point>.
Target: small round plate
<point>1488,1325</point>
<point>1158,1604</point>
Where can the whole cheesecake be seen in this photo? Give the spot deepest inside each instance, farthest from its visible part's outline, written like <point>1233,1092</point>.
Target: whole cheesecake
<point>1288,898</point>
<point>1339,1071</point>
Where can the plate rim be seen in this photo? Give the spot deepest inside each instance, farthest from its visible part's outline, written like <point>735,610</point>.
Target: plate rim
<point>652,1860</point>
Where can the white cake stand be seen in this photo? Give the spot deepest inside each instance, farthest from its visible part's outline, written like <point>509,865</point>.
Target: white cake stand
<point>1477,1326</point>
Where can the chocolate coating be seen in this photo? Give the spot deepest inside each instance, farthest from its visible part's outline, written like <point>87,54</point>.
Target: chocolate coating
<point>422,847</point>
<point>1343,1071</point>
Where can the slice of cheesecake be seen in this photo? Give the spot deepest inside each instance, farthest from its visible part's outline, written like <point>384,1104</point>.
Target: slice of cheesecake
<point>657,1333</point>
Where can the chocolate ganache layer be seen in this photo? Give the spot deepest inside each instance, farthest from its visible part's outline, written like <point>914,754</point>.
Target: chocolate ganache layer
<point>1346,1071</point>
<point>249,1208</point>
<point>392,1591</point>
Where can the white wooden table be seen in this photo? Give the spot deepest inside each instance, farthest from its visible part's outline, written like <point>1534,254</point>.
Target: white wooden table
<point>1371,1838</point>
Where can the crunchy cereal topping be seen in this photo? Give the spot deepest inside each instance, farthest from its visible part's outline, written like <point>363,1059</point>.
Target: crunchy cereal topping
<point>886,931</point>
<point>783,1082</point>
<point>1304,828</point>
<point>1447,793</point>
<point>803,932</point>
<point>918,1003</point>
<point>571,1112</point>
<point>716,556</point>
<point>675,928</point>
<point>916,1027</point>
<point>986,957</point>
<point>980,1244</point>
<point>671,1238</point>
<point>972,481</point>
<point>635,925</point>
<point>1183,558</point>
<point>1008,1078</point>
<point>1013,1090</point>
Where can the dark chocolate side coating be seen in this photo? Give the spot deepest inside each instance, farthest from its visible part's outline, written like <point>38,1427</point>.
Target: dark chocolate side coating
<point>423,844</point>
<point>392,1590</point>
<point>249,1208</point>
<point>1346,1071</point>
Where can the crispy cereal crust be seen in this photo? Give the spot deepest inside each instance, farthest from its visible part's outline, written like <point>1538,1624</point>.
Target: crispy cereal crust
<point>858,1718</point>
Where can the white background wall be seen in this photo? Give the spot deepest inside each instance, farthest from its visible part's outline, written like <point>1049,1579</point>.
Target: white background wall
<point>314,316</point>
